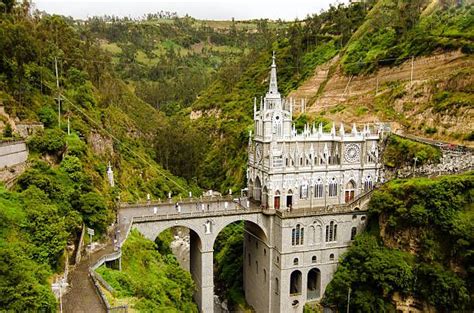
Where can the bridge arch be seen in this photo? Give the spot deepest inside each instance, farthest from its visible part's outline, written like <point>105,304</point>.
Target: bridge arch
<point>251,224</point>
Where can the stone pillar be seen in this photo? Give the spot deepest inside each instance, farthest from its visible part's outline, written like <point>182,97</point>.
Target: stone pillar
<point>201,267</point>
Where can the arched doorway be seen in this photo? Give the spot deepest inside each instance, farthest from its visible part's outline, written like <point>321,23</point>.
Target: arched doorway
<point>295,283</point>
<point>350,191</point>
<point>276,200</point>
<point>258,190</point>
<point>289,199</point>
<point>314,284</point>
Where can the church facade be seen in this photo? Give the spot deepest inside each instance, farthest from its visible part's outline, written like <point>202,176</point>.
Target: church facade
<point>305,181</point>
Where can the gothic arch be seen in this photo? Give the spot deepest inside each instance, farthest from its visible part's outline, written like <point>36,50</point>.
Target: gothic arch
<point>350,190</point>
<point>257,189</point>
<point>250,188</point>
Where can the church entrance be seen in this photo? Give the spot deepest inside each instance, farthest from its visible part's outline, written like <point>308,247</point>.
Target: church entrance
<point>276,201</point>
<point>350,191</point>
<point>289,199</point>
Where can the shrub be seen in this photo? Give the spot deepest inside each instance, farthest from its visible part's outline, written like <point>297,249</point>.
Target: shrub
<point>51,141</point>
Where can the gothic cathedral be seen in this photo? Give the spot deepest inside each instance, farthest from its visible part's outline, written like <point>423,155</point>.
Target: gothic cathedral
<point>309,183</point>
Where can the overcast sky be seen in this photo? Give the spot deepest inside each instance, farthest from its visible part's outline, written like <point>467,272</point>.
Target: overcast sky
<point>221,10</point>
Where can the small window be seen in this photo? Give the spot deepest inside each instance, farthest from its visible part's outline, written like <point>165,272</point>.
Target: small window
<point>278,260</point>
<point>363,218</point>
<point>264,252</point>
<point>331,257</point>
<point>353,232</point>
<point>295,261</point>
<point>354,217</point>
<point>264,275</point>
<point>277,287</point>
<point>314,259</point>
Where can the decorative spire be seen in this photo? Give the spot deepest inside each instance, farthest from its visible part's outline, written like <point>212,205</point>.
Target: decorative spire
<point>354,129</point>
<point>273,88</point>
<point>341,130</point>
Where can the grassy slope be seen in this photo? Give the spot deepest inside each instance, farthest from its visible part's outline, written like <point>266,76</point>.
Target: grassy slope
<point>438,104</point>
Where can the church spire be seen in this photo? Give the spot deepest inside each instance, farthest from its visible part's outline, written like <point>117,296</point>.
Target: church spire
<point>273,89</point>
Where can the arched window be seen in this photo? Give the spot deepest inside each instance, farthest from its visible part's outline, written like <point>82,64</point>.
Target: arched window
<point>295,261</point>
<point>295,283</point>
<point>314,259</point>
<point>331,257</point>
<point>297,235</point>
<point>353,232</point>
<point>368,184</point>
<point>350,191</point>
<point>318,189</point>
<point>304,191</point>
<point>331,232</point>
<point>277,285</point>
<point>333,187</point>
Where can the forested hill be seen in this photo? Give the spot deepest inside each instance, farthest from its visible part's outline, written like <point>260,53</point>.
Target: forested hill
<point>64,184</point>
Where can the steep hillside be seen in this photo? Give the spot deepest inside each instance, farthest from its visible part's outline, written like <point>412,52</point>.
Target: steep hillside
<point>420,78</point>
<point>65,184</point>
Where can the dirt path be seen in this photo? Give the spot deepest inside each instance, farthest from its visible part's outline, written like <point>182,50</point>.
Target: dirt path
<point>82,297</point>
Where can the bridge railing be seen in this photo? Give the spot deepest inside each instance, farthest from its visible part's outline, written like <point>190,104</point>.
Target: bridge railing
<point>359,202</point>
<point>193,214</point>
<point>168,201</point>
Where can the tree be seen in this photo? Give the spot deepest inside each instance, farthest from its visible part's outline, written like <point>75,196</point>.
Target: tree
<point>94,210</point>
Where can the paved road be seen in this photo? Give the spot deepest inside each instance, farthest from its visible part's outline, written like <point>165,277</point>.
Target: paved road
<point>82,297</point>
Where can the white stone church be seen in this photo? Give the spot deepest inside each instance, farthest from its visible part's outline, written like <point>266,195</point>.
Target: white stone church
<point>309,182</point>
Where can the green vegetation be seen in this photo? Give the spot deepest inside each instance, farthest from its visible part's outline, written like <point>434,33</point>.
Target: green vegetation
<point>228,259</point>
<point>397,30</point>
<point>33,237</point>
<point>400,151</point>
<point>432,259</point>
<point>154,282</point>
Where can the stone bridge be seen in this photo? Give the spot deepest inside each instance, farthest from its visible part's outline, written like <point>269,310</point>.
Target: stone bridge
<point>204,218</point>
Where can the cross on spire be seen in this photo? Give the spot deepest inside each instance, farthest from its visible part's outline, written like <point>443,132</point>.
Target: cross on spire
<point>273,88</point>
